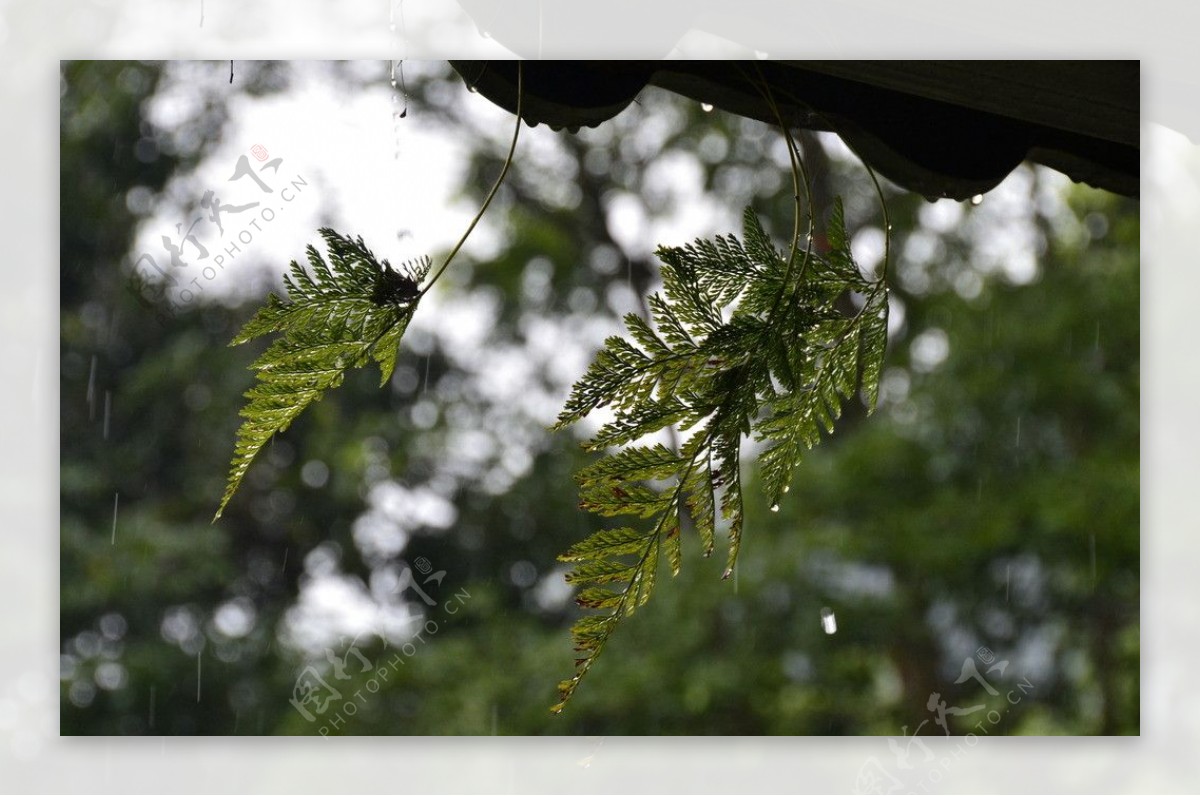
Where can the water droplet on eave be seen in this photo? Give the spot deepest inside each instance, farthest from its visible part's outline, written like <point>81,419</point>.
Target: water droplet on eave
<point>706,107</point>
<point>977,199</point>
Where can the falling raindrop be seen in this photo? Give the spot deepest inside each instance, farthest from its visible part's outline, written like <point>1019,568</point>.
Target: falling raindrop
<point>151,717</point>
<point>425,379</point>
<point>116,501</point>
<point>199,657</point>
<point>977,199</point>
<point>828,621</point>
<point>774,507</point>
<point>107,410</point>
<point>494,718</point>
<point>1007,580</point>
<point>283,568</point>
<point>201,13</point>
<point>91,390</point>
<point>1018,444</point>
<point>706,107</point>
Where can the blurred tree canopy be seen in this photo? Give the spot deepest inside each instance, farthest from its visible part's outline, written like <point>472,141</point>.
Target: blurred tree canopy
<point>988,512</point>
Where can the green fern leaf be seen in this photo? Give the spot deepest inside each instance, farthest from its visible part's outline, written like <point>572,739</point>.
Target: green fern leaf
<point>742,342</point>
<point>340,314</point>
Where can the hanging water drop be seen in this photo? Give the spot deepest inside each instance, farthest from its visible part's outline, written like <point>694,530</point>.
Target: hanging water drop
<point>786,488</point>
<point>774,507</point>
<point>725,575</point>
<point>706,107</point>
<point>828,621</point>
<point>977,199</point>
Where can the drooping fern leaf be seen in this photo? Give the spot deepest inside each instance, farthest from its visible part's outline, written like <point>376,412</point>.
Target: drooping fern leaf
<point>745,341</point>
<point>339,315</point>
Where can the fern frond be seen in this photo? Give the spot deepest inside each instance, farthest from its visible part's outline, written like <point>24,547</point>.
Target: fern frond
<point>741,343</point>
<point>626,558</point>
<point>340,314</point>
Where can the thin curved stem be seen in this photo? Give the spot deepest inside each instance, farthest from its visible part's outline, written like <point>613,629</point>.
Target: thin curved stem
<point>495,187</point>
<point>799,175</point>
<point>887,223</point>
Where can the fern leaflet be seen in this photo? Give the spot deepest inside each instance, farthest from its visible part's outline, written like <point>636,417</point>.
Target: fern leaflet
<point>745,341</point>
<point>339,315</point>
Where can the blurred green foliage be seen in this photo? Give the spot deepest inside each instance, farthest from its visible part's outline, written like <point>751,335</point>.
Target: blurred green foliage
<point>993,501</point>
